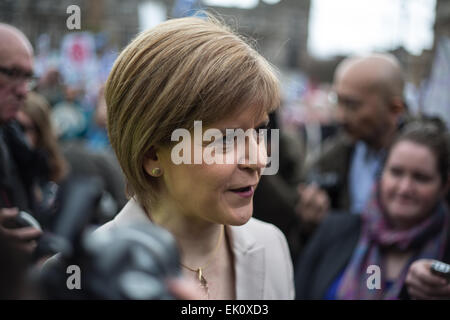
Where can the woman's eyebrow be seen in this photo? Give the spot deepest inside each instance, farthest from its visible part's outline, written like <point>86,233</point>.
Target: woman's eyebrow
<point>264,123</point>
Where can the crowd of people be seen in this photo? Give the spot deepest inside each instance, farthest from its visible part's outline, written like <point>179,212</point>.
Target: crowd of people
<point>375,196</point>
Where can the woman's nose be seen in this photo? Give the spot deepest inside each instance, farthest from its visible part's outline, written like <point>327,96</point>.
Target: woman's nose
<point>405,185</point>
<point>255,153</point>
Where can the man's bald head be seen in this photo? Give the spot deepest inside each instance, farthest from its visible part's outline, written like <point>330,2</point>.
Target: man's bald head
<point>16,63</point>
<point>377,71</point>
<point>370,95</point>
<point>13,38</point>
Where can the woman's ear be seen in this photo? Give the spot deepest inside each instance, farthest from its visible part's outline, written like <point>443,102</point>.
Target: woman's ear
<point>152,163</point>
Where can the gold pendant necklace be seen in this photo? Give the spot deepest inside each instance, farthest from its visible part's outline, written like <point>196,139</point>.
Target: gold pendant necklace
<point>199,270</point>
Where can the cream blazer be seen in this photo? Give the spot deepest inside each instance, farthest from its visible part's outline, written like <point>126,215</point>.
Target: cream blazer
<point>263,266</point>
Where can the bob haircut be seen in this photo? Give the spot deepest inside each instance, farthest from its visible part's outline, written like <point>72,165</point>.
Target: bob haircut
<point>178,72</point>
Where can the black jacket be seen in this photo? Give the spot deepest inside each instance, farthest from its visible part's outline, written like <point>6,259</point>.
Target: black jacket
<point>13,191</point>
<point>328,253</point>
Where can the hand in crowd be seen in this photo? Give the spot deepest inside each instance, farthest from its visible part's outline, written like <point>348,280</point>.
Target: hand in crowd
<point>313,204</point>
<point>422,284</point>
<point>184,289</point>
<point>22,238</point>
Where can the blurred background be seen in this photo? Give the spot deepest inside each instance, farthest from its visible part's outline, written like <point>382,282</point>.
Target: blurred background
<point>304,39</point>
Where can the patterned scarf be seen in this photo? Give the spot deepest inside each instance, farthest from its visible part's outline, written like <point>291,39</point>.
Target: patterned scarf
<point>427,239</point>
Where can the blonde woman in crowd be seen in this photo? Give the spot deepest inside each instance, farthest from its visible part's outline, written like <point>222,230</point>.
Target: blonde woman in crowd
<point>187,70</point>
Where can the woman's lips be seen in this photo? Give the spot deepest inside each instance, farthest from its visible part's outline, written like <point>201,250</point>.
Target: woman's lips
<point>405,201</point>
<point>245,192</point>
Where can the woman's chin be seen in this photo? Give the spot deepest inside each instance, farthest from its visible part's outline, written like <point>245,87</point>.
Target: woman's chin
<point>240,216</point>
<point>405,217</point>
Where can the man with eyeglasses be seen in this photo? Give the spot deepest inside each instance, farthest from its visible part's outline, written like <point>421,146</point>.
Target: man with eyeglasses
<point>16,73</point>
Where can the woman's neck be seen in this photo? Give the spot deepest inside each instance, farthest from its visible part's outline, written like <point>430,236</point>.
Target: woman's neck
<point>395,262</point>
<point>203,245</point>
<point>196,238</point>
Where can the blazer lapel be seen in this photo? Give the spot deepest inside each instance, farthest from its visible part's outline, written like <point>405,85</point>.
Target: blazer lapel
<point>132,214</point>
<point>249,264</point>
<point>249,259</point>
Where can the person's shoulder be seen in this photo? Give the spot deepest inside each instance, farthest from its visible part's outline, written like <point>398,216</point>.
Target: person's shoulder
<point>279,279</point>
<point>341,142</point>
<point>342,218</point>
<point>124,214</point>
<point>262,230</point>
<point>335,151</point>
<point>108,226</point>
<point>338,224</point>
<point>130,215</point>
<point>263,234</point>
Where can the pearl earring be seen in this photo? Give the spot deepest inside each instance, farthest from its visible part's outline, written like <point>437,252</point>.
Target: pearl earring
<point>156,172</point>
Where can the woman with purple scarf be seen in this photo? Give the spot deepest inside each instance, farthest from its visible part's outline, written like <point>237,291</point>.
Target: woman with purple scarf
<point>367,256</point>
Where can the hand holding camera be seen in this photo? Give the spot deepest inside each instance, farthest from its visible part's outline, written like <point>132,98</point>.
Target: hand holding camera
<point>440,269</point>
<point>428,280</point>
<point>20,228</point>
<point>131,262</point>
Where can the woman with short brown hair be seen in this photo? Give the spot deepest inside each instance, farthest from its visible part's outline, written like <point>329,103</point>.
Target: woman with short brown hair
<point>182,71</point>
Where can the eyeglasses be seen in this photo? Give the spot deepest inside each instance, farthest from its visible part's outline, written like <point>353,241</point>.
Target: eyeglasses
<point>17,76</point>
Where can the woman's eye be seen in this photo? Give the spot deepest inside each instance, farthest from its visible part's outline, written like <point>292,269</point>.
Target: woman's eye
<point>397,172</point>
<point>227,142</point>
<point>228,139</point>
<point>423,178</point>
<point>262,133</point>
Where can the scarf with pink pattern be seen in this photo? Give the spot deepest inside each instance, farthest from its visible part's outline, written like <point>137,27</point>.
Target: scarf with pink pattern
<point>427,239</point>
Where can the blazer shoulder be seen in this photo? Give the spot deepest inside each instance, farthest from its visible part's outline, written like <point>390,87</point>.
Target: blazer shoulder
<point>108,226</point>
<point>279,275</point>
<point>262,230</point>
